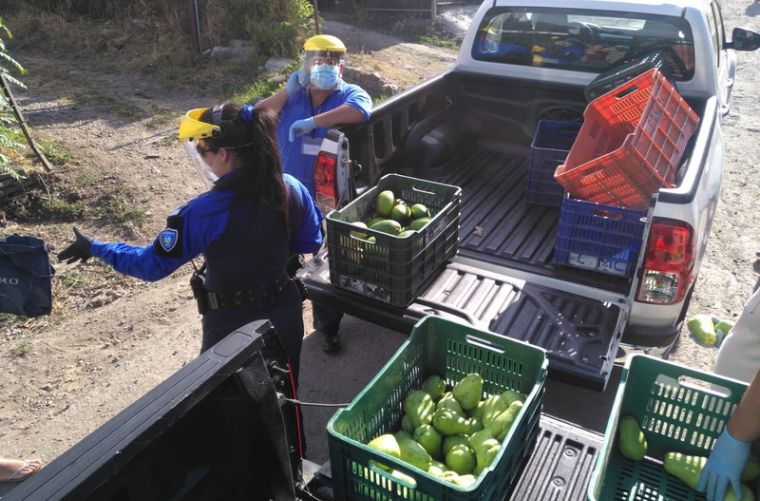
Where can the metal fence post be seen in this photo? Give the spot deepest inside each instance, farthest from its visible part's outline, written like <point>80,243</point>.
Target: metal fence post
<point>316,17</point>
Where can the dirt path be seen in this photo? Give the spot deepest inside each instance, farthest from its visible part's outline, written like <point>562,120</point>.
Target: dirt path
<point>110,338</point>
<point>400,64</point>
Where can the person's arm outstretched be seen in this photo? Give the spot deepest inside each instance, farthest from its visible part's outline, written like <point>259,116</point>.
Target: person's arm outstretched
<point>189,231</point>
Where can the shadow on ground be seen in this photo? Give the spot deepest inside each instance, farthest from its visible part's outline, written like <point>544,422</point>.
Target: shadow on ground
<point>340,377</point>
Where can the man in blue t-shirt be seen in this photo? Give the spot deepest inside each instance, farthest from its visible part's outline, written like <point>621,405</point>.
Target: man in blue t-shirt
<point>314,100</point>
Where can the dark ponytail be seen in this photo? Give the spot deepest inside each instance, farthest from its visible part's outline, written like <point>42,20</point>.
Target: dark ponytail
<point>251,135</point>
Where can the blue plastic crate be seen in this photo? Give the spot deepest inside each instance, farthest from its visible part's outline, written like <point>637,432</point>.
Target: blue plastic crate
<point>549,148</point>
<point>599,237</point>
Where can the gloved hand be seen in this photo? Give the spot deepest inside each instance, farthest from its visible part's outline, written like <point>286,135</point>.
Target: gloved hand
<point>295,82</point>
<point>301,127</point>
<point>724,465</point>
<point>79,249</point>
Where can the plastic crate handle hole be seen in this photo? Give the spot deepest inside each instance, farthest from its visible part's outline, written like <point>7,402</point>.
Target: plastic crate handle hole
<point>408,483</point>
<point>486,345</point>
<point>627,91</point>
<point>617,216</point>
<point>696,384</point>
<point>426,192</point>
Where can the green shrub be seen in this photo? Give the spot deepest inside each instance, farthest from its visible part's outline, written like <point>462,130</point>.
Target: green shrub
<point>154,36</point>
<point>8,139</point>
<point>110,9</point>
<point>54,151</point>
<point>263,88</point>
<point>274,27</point>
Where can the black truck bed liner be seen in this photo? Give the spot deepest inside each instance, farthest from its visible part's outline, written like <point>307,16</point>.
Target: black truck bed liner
<point>560,466</point>
<point>499,226</point>
<point>212,430</point>
<point>580,335</point>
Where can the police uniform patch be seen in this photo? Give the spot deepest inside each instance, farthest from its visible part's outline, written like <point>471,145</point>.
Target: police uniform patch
<point>169,241</point>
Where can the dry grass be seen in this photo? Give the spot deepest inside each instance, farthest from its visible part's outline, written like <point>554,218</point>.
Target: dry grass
<point>124,45</point>
<point>156,42</point>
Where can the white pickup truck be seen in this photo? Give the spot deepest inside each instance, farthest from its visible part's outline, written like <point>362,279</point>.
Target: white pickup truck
<point>220,428</point>
<point>472,127</point>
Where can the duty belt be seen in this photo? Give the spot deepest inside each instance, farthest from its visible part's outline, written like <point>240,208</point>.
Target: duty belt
<point>258,295</point>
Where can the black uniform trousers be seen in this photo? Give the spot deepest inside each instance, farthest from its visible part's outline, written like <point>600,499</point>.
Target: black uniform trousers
<point>285,313</point>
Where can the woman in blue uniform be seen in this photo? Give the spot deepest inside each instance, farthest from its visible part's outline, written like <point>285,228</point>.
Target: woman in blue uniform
<point>246,226</point>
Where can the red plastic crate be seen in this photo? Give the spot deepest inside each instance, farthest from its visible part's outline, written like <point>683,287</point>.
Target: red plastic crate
<point>630,145</point>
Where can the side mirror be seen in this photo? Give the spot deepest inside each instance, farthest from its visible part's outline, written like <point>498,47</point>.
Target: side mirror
<point>745,40</point>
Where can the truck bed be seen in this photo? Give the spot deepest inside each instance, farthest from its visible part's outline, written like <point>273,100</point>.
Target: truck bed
<point>499,226</point>
<point>561,464</point>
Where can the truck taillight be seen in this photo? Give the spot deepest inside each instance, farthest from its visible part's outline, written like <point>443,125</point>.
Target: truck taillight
<point>668,263</point>
<point>326,180</point>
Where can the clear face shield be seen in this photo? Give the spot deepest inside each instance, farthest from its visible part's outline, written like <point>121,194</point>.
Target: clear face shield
<point>322,69</point>
<point>191,130</point>
<point>207,175</point>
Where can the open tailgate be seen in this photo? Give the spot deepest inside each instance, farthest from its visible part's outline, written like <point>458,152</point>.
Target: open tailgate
<point>580,333</point>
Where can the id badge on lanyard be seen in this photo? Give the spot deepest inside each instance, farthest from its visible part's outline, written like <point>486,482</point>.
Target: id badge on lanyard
<point>310,145</point>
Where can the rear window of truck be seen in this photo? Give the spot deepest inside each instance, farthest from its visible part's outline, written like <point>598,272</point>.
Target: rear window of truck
<point>582,40</point>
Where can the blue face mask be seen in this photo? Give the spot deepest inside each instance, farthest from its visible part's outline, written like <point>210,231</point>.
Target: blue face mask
<point>325,76</point>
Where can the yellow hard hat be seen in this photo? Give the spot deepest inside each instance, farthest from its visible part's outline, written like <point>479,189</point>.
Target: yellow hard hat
<point>324,43</point>
<point>191,128</point>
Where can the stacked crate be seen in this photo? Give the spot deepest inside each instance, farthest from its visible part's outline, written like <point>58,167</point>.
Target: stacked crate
<point>629,146</point>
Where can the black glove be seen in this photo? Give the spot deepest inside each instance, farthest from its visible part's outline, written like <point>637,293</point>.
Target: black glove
<point>295,263</point>
<point>79,249</point>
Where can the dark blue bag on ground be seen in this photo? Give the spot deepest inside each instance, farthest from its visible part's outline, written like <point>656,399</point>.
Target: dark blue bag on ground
<point>25,276</point>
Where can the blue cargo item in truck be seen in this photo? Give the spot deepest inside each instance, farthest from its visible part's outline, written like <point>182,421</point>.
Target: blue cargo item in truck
<point>598,237</point>
<point>548,150</point>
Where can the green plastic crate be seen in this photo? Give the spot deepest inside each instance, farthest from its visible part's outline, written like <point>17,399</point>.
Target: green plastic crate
<point>679,409</point>
<point>451,350</point>
<point>394,270</point>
